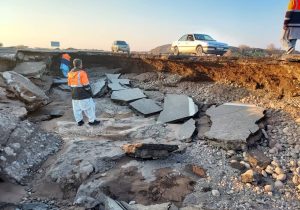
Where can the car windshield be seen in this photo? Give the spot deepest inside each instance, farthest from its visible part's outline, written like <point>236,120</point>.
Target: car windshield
<point>203,37</point>
<point>121,43</point>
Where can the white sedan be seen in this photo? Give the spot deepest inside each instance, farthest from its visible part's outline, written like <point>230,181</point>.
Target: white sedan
<point>199,44</point>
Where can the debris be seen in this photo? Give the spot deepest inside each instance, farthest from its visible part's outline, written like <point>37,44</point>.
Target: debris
<point>248,176</point>
<point>23,89</point>
<point>229,117</point>
<point>98,88</point>
<point>215,193</point>
<point>65,88</point>
<point>187,130</point>
<point>149,151</point>
<point>257,158</point>
<point>199,171</point>
<point>176,108</point>
<point>121,81</point>
<point>146,106</point>
<point>268,188</point>
<point>26,139</point>
<point>60,81</point>
<point>116,86</point>
<point>31,69</point>
<point>112,77</point>
<point>127,95</point>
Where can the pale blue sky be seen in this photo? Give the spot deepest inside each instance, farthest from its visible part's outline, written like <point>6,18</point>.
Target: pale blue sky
<point>145,24</point>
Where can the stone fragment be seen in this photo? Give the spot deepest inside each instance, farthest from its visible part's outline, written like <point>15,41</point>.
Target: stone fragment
<point>146,106</point>
<point>177,108</point>
<point>127,95</point>
<point>112,77</point>
<point>23,89</point>
<point>278,170</point>
<point>64,87</point>
<point>30,69</point>
<point>199,171</point>
<point>59,81</point>
<point>121,81</point>
<point>268,188</point>
<point>149,151</point>
<point>215,193</point>
<point>116,86</point>
<point>281,177</point>
<point>187,130</point>
<point>27,155</point>
<point>258,158</point>
<point>98,88</point>
<point>278,184</point>
<point>248,176</point>
<point>240,118</point>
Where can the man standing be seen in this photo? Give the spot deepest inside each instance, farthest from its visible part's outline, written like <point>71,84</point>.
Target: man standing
<point>65,64</point>
<point>291,26</point>
<point>81,94</point>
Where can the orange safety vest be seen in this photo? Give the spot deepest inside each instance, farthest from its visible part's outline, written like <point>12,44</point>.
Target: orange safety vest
<point>77,78</point>
<point>66,56</point>
<point>292,16</point>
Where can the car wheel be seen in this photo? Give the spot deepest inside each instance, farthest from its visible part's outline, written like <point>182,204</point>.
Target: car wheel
<point>199,51</point>
<point>176,51</point>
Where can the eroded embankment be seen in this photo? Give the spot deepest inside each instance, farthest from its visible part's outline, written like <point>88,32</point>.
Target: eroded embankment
<point>277,76</point>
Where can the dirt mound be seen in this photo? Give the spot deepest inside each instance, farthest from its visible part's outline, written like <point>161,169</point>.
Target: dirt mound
<point>164,49</point>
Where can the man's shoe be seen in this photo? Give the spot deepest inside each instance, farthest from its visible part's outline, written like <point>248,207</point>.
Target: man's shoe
<point>80,123</point>
<point>96,122</point>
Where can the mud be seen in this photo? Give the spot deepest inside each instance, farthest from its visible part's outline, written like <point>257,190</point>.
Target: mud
<point>169,186</point>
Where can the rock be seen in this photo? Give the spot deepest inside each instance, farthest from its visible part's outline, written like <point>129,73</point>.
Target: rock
<point>112,77</point>
<point>127,95</point>
<point>98,88</point>
<point>215,193</point>
<point>80,159</point>
<point>149,151</point>
<point>269,169</point>
<point>59,81</point>
<point>248,176</point>
<point>278,184</point>
<point>146,106</point>
<point>116,86</point>
<point>296,179</point>
<point>265,133</point>
<point>24,90</point>
<point>268,188</point>
<point>31,69</point>
<point>281,177</point>
<point>121,81</point>
<point>187,130</point>
<point>22,148</point>
<point>240,118</point>
<point>258,158</point>
<point>238,165</point>
<point>264,173</point>
<point>177,108</point>
<point>199,171</point>
<point>164,206</point>
<point>278,170</point>
<point>65,88</point>
<point>273,150</point>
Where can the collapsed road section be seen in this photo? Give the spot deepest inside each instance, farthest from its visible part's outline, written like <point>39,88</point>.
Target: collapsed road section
<point>176,133</point>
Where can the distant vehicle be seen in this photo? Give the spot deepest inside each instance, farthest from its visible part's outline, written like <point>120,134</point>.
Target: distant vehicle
<point>199,44</point>
<point>120,46</point>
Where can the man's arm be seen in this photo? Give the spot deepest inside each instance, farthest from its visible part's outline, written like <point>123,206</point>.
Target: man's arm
<point>85,82</point>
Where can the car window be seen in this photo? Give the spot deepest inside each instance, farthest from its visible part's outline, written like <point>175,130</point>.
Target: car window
<point>183,38</point>
<point>190,37</point>
<point>203,37</point>
<point>121,43</point>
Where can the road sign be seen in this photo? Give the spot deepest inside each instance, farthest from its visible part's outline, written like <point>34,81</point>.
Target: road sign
<point>55,44</point>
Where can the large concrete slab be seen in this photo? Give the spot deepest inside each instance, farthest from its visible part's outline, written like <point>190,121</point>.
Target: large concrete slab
<point>116,86</point>
<point>233,124</point>
<point>187,130</point>
<point>127,95</point>
<point>98,88</point>
<point>146,106</point>
<point>31,69</point>
<point>59,81</point>
<point>112,77</point>
<point>176,108</point>
<point>121,81</point>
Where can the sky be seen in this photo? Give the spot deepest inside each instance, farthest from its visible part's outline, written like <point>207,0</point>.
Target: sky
<point>144,24</point>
